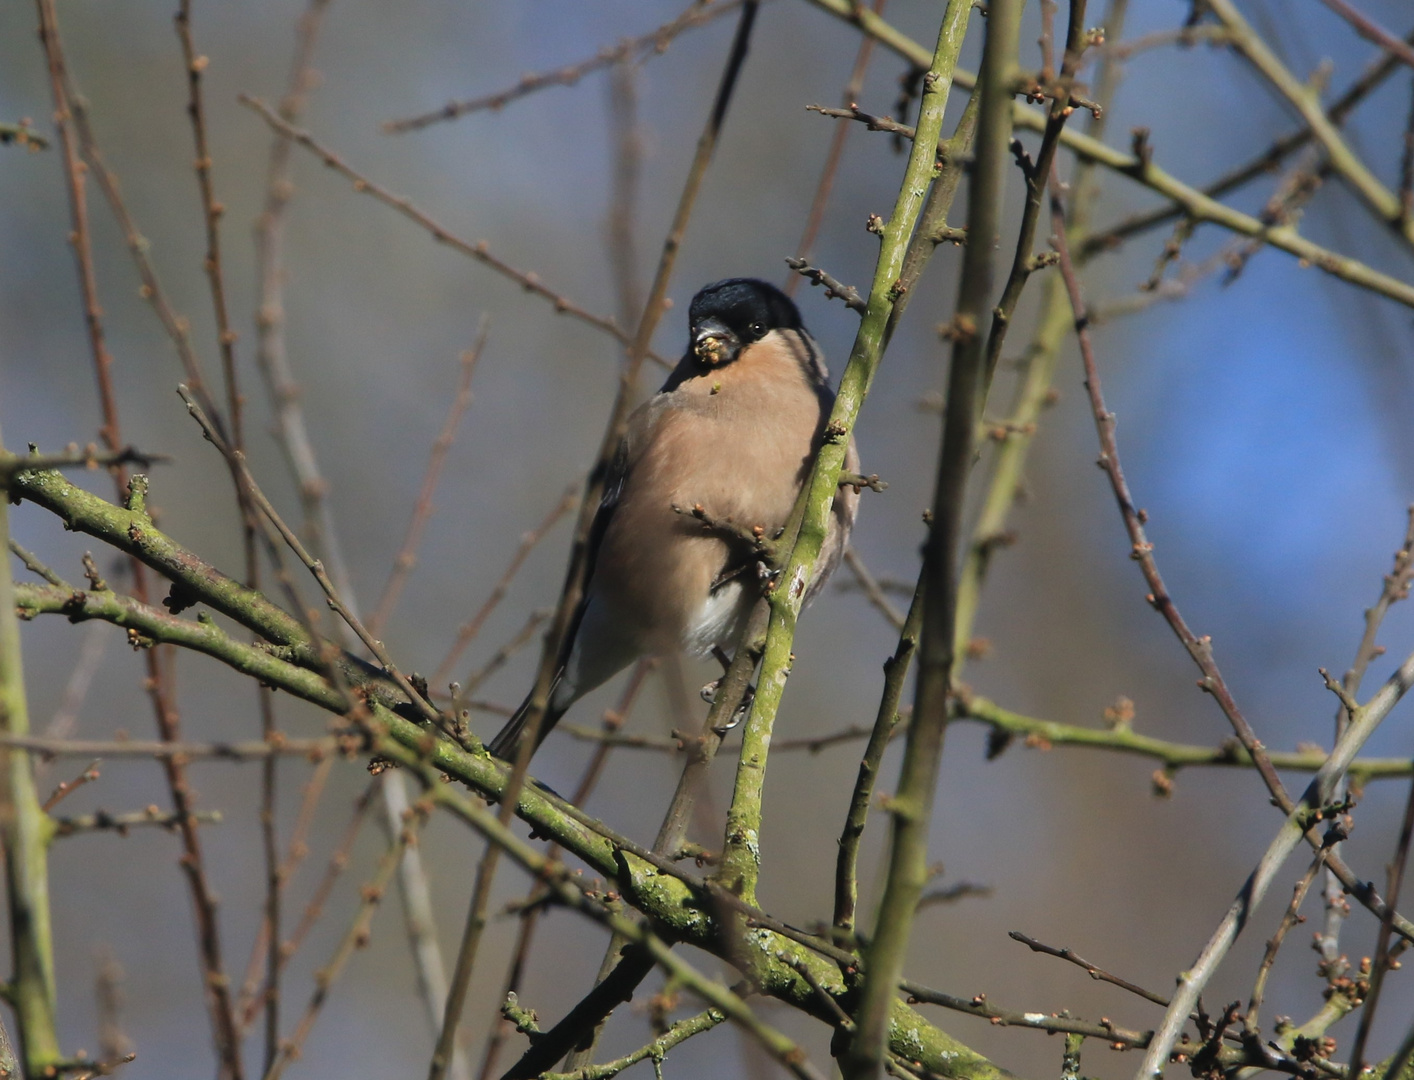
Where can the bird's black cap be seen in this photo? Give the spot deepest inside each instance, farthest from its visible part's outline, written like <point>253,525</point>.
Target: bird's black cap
<point>744,304</point>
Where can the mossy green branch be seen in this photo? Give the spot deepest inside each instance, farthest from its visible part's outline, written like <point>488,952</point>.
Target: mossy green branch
<point>741,852</point>
<point>130,529</point>
<point>25,829</point>
<point>911,807</point>
<point>687,912</point>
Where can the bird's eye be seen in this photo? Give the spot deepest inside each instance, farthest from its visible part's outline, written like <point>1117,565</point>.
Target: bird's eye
<point>757,329</point>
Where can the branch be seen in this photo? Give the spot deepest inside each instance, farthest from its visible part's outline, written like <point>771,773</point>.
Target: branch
<point>1380,199</point>
<point>90,457</point>
<point>1370,30</point>
<point>834,289</point>
<point>103,821</point>
<point>1142,170</point>
<point>479,250</point>
<point>628,50</point>
<point>25,830</point>
<point>911,807</point>
<point>664,894</point>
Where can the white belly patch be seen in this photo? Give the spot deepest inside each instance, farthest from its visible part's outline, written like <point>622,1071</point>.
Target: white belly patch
<point>717,622</point>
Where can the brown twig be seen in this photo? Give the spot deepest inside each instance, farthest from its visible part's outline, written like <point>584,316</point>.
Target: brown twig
<point>834,289</point>
<point>291,432</point>
<point>90,457</point>
<point>627,393</point>
<point>68,787</point>
<point>467,632</point>
<point>1291,917</point>
<point>314,909</point>
<point>103,821</point>
<point>628,50</point>
<point>406,558</point>
<point>1141,550</point>
<point>212,211</point>
<point>1037,1021</point>
<point>158,661</point>
<point>872,589</point>
<point>81,238</point>
<point>534,905</point>
<point>356,937</point>
<point>834,156</point>
<point>1382,959</point>
<point>315,567</point>
<point>1095,972</point>
<point>1371,31</point>
<point>479,251</point>
<point>262,955</point>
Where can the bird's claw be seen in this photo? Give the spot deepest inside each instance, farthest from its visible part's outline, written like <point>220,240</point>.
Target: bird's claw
<point>740,714</point>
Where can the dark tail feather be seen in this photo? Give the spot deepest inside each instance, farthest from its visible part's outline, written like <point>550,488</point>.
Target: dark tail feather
<point>506,744</point>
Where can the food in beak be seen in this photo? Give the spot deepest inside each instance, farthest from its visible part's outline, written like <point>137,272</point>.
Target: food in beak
<point>712,349</point>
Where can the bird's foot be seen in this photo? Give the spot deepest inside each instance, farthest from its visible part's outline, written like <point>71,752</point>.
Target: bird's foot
<point>740,714</point>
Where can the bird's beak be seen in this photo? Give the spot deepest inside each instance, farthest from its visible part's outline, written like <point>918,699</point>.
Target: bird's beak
<point>713,343</point>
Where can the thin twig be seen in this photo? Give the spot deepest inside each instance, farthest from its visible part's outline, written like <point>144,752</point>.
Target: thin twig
<point>406,558</point>
<point>1095,972</point>
<point>356,937</point>
<point>479,250</point>
<point>1139,167</point>
<point>1381,964</point>
<point>1288,920</point>
<point>627,393</point>
<point>68,787</point>
<point>313,749</point>
<point>261,954</point>
<point>1370,30</point>
<point>834,156</point>
<point>626,51</point>
<point>1381,200</point>
<point>315,567</point>
<point>834,289</point>
<point>103,821</point>
<point>468,631</point>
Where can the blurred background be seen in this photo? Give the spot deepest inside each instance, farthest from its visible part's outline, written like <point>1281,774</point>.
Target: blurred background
<point>1267,426</point>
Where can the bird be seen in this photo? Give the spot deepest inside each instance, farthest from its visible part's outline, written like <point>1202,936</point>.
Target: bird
<point>732,433</point>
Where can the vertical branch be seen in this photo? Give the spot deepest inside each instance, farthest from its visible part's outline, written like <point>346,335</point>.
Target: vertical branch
<point>303,464</point>
<point>271,356</point>
<point>895,677</point>
<point>613,435</point>
<point>628,374</point>
<point>80,238</point>
<point>1033,391</point>
<point>212,211</point>
<point>740,849</point>
<point>158,661</point>
<point>1382,952</point>
<point>620,230</point>
<point>407,554</point>
<point>25,829</point>
<point>838,138</point>
<point>911,807</point>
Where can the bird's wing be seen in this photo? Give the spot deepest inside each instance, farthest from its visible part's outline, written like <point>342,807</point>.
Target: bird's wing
<point>616,474</point>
